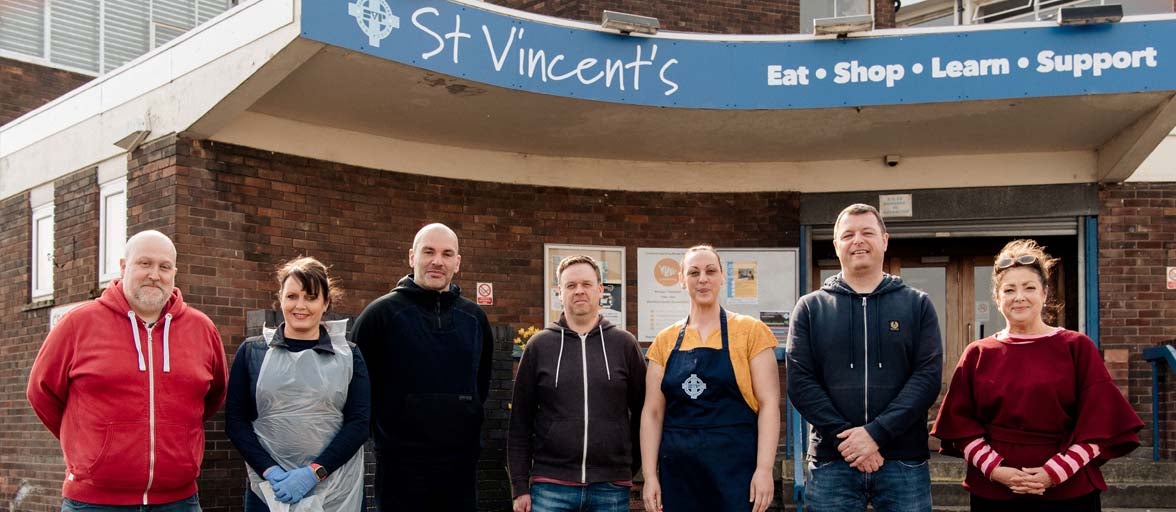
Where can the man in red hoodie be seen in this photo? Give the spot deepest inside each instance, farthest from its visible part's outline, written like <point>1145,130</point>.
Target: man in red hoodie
<point>126,383</point>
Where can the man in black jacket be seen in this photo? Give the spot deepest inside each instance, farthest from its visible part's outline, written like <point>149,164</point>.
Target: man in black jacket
<point>864,364</point>
<point>428,351</point>
<point>576,410</point>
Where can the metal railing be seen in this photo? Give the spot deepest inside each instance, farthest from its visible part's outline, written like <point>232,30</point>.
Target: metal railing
<point>1163,354</point>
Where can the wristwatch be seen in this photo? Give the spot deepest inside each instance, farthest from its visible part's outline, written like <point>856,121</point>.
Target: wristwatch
<point>319,472</point>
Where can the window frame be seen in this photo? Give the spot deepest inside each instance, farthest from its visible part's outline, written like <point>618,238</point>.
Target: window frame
<point>107,190</point>
<point>36,264</point>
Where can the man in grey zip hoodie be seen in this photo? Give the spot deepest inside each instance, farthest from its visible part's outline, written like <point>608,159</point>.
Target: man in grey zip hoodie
<point>575,414</point>
<point>865,358</point>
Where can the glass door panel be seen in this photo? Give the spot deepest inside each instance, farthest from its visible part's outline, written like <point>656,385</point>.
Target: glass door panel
<point>933,281</point>
<point>986,317</point>
<point>826,273</point>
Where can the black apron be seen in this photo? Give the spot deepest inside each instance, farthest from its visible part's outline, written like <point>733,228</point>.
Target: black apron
<point>708,444</point>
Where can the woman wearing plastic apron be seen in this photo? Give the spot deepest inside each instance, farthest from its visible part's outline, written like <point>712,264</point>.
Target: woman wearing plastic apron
<point>299,403</point>
<point>711,420</point>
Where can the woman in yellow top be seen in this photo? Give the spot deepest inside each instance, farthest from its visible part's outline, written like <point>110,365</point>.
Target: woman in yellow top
<point>711,420</point>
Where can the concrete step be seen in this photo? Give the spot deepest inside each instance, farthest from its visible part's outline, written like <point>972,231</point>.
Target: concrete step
<point>936,508</point>
<point>789,507</point>
<point>1122,470</point>
<point>1134,485</point>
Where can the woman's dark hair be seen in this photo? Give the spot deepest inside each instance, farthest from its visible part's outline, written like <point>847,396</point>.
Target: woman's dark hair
<point>313,277</point>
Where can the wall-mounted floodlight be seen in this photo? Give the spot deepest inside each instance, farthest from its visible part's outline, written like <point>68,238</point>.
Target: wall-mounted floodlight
<point>132,141</point>
<point>843,25</point>
<point>625,23</point>
<point>1090,14</point>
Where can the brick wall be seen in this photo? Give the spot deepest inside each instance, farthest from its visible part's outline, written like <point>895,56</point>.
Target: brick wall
<point>239,211</point>
<point>31,466</point>
<point>25,86</point>
<point>883,13</point>
<point>1137,241</point>
<point>709,16</point>
<point>75,237</point>
<point>30,460</point>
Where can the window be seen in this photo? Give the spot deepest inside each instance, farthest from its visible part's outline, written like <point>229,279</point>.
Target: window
<point>812,9</point>
<point>41,276</point>
<point>96,36</point>
<point>112,228</point>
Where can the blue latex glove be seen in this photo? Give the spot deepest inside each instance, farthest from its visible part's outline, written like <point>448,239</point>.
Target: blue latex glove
<point>295,485</point>
<point>274,475</point>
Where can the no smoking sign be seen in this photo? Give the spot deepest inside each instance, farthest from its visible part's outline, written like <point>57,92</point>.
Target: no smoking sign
<point>1172,278</point>
<point>485,294</point>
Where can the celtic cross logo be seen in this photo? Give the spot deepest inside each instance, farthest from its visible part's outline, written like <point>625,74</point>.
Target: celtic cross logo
<point>374,18</point>
<point>693,386</point>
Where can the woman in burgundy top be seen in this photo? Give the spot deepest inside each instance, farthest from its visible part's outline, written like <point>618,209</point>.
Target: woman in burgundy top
<point>1032,408</point>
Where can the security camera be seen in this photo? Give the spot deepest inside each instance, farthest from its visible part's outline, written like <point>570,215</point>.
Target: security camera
<point>892,160</point>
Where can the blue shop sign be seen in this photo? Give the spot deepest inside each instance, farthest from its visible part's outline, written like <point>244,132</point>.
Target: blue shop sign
<point>678,70</point>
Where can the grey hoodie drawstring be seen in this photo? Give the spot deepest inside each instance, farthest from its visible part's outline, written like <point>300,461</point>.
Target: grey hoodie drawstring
<point>602,349</point>
<point>166,347</point>
<point>138,344</point>
<point>559,359</point>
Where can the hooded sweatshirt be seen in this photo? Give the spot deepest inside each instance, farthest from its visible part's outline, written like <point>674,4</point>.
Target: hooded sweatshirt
<point>872,360</point>
<point>127,400</point>
<point>429,357</point>
<point>576,407</point>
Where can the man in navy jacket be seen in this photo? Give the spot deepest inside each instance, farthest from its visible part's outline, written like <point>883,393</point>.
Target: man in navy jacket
<point>865,358</point>
<point>428,351</point>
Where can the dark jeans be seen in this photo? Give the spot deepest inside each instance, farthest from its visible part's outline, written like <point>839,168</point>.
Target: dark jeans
<point>899,486</point>
<point>1088,503</point>
<point>600,497</point>
<point>189,504</point>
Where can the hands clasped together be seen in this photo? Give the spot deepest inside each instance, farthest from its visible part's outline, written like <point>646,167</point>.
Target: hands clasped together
<point>291,487</point>
<point>1024,480</point>
<point>859,450</point>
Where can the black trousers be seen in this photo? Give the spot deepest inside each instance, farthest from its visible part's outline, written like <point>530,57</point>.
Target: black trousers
<point>1087,503</point>
<point>409,487</point>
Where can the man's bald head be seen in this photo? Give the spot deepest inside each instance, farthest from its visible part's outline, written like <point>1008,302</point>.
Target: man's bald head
<point>150,235</point>
<point>434,227</point>
<point>434,258</point>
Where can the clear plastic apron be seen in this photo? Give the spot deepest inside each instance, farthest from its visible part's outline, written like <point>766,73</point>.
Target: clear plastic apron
<point>300,398</point>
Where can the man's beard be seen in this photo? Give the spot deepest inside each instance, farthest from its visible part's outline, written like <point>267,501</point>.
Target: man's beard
<point>147,302</point>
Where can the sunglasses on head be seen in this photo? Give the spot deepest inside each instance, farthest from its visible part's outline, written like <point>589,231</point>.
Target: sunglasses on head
<point>1024,259</point>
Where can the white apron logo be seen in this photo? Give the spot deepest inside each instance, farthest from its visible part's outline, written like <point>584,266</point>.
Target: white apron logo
<point>374,18</point>
<point>694,386</point>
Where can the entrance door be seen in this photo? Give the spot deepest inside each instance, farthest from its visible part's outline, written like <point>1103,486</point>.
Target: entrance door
<point>986,317</point>
<point>938,277</point>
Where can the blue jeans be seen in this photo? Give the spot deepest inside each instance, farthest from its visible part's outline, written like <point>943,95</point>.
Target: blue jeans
<point>898,486</point>
<point>602,497</point>
<point>189,504</point>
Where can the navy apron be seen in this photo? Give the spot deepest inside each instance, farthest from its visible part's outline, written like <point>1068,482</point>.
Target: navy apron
<point>708,444</point>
